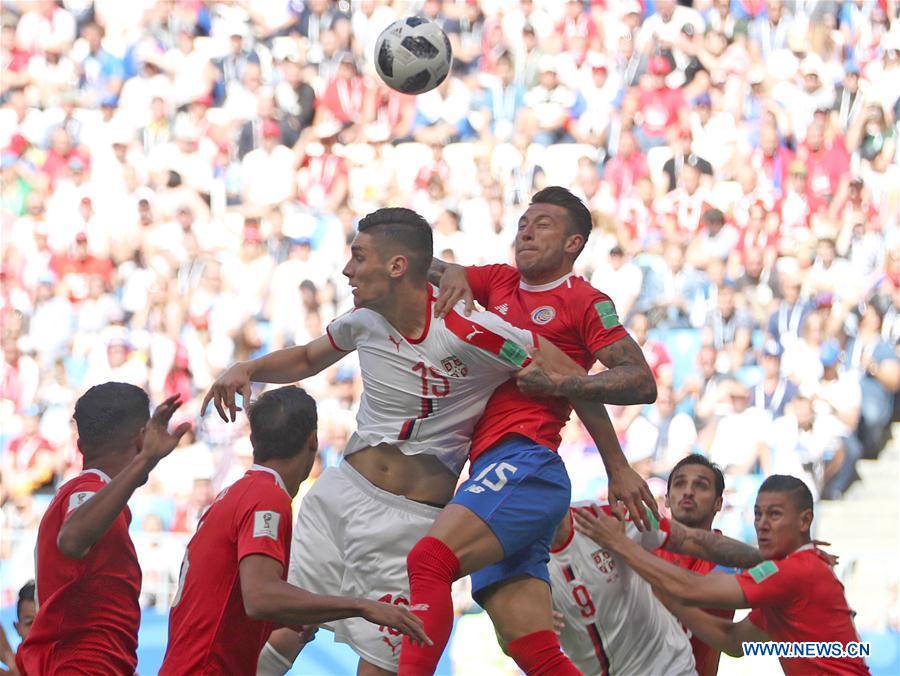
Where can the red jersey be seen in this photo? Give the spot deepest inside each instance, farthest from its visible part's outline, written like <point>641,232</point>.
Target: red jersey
<point>571,314</point>
<point>706,659</point>
<point>209,631</point>
<point>88,612</point>
<point>798,598</point>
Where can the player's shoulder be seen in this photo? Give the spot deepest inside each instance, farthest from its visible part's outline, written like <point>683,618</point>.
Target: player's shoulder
<point>497,271</point>
<point>79,487</point>
<point>582,289</point>
<point>261,485</point>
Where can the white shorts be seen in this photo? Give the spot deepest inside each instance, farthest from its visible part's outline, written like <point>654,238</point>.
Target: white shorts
<point>352,539</point>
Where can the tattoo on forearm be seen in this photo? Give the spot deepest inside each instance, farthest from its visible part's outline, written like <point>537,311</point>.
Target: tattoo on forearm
<point>627,381</point>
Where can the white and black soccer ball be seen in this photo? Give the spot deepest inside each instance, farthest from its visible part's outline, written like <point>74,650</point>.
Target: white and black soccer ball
<point>413,55</point>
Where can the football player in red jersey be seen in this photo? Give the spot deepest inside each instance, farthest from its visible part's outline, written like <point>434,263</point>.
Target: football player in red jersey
<point>794,595</point>
<point>694,497</point>
<point>500,523</point>
<point>232,590</point>
<point>88,577</point>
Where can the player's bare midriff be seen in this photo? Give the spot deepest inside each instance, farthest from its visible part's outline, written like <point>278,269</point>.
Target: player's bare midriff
<point>417,477</point>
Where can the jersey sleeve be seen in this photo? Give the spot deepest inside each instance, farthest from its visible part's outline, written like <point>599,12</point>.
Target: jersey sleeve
<point>343,332</point>
<point>85,490</point>
<point>497,340</point>
<point>600,324</point>
<point>482,278</point>
<point>771,583</point>
<point>263,520</point>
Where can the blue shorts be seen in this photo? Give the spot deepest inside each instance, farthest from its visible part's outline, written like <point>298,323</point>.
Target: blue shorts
<point>521,490</point>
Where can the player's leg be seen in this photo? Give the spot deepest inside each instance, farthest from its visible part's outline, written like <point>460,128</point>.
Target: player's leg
<point>369,669</point>
<point>522,612</point>
<point>509,502</point>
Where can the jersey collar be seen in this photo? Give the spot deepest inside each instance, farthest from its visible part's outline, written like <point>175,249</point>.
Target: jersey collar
<point>548,286</point>
<point>100,473</point>
<point>260,468</point>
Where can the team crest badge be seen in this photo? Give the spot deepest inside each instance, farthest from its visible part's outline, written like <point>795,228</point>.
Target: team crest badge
<point>454,366</point>
<point>543,315</point>
<point>604,561</point>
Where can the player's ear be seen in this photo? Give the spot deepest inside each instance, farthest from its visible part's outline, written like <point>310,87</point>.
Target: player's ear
<point>574,244</point>
<point>806,519</point>
<point>717,505</point>
<point>397,266</point>
<point>668,506</point>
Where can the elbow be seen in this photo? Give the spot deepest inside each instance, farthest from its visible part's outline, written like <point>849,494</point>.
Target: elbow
<point>257,604</point>
<point>68,547</point>
<point>648,389</point>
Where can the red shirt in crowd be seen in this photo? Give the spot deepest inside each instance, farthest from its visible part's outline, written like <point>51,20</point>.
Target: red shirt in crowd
<point>798,598</point>
<point>571,314</point>
<point>659,108</point>
<point>826,166</point>
<point>209,630</point>
<point>88,610</point>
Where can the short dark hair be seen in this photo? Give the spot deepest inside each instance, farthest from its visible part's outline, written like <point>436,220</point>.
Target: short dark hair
<point>108,414</point>
<point>281,422</point>
<point>26,595</point>
<point>697,459</point>
<point>404,229</point>
<point>713,216</point>
<point>580,222</point>
<point>785,483</point>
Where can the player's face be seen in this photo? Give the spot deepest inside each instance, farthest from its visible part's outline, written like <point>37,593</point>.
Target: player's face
<point>542,241</point>
<point>366,272</point>
<point>26,617</point>
<point>692,498</point>
<point>780,525</point>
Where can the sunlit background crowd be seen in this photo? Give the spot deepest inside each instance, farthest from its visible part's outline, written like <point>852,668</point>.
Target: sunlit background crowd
<point>180,181</point>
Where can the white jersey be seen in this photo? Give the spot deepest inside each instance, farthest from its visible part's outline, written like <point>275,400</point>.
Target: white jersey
<point>614,623</point>
<point>425,395</point>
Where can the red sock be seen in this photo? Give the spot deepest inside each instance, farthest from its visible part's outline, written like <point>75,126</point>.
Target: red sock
<point>432,567</point>
<point>539,654</point>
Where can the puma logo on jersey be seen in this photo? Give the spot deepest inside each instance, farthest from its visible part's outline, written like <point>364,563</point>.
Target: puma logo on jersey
<point>395,646</point>
<point>502,309</point>
<point>396,341</point>
<point>474,333</point>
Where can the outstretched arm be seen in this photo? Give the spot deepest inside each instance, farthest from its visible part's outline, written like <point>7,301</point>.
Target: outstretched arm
<point>717,632</point>
<point>282,366</point>
<point>711,546</point>
<point>715,590</point>
<point>624,483</point>
<point>89,522</point>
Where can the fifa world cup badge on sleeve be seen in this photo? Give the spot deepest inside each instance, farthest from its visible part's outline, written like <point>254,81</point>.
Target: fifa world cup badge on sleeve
<point>763,571</point>
<point>265,524</point>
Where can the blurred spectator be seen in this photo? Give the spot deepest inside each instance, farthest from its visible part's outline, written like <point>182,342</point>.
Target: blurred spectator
<point>773,392</point>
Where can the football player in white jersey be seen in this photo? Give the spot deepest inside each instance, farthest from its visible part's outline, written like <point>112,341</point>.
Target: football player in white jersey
<point>426,381</point>
<point>613,621</point>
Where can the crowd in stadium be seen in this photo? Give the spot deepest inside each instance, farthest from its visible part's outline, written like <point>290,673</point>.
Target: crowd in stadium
<point>180,181</point>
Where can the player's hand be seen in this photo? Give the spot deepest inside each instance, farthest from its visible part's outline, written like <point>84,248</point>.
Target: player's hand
<point>398,618</point>
<point>222,393</point>
<point>543,376</point>
<point>158,442</point>
<point>454,288</point>
<point>831,559</point>
<point>627,486</point>
<point>606,531</point>
<point>559,622</point>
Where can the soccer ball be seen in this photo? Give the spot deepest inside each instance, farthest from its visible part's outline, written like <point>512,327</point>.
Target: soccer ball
<point>413,55</point>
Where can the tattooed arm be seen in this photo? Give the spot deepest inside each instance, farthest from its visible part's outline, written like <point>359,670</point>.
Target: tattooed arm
<point>711,546</point>
<point>627,380</point>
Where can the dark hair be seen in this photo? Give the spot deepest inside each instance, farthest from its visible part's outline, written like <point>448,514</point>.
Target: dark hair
<point>785,483</point>
<point>404,229</point>
<point>26,595</point>
<point>697,459</point>
<point>580,222</point>
<point>281,422</point>
<point>713,216</point>
<point>108,414</point>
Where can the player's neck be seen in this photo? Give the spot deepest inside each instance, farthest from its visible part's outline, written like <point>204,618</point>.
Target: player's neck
<point>110,464</point>
<point>539,278</point>
<point>409,310</point>
<point>288,472</point>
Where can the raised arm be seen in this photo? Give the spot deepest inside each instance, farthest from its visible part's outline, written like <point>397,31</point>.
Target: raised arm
<point>268,597</point>
<point>625,484</point>
<point>89,522</point>
<point>715,590</point>
<point>282,366</point>
<point>454,285</point>
<point>711,546</point>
